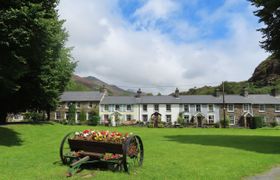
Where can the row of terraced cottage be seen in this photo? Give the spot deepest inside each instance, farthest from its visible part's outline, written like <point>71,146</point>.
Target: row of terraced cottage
<point>199,110</point>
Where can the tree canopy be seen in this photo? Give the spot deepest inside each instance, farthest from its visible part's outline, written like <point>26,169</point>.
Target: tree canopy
<point>35,65</point>
<point>269,14</point>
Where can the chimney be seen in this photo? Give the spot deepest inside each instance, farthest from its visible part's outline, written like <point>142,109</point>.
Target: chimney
<point>275,92</point>
<point>176,94</point>
<point>139,92</point>
<point>245,92</point>
<point>103,90</point>
<point>218,93</point>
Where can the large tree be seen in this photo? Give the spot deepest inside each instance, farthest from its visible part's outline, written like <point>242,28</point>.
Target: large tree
<point>269,13</point>
<point>35,65</point>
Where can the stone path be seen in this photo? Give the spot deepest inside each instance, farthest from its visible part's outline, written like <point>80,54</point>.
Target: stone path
<point>273,174</point>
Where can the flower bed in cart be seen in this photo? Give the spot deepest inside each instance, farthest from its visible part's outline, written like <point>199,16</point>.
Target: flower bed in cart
<point>106,137</point>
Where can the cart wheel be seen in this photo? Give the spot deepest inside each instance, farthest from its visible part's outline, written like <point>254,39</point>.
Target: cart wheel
<point>133,155</point>
<point>64,149</point>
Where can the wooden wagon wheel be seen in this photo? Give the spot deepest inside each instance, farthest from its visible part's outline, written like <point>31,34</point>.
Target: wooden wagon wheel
<point>64,150</point>
<point>133,153</point>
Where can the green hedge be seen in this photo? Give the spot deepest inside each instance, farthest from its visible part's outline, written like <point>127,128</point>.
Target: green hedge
<point>256,122</point>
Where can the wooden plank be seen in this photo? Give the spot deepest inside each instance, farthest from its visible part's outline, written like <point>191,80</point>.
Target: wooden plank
<point>97,147</point>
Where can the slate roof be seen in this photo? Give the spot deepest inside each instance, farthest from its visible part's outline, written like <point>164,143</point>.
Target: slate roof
<point>192,99</point>
<point>263,99</point>
<point>81,96</point>
<point>118,100</point>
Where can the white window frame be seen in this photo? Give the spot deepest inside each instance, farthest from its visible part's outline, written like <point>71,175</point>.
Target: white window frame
<point>233,119</point>
<point>277,108</point>
<point>213,118</point>
<point>186,107</point>
<point>244,110</point>
<point>156,105</point>
<point>168,109</point>
<point>262,110</point>
<point>146,115</point>
<point>146,107</point>
<point>106,107</point>
<point>129,109</point>
<point>196,109</point>
<point>213,108</point>
<point>187,120</point>
<point>168,115</point>
<point>229,109</point>
<point>119,107</point>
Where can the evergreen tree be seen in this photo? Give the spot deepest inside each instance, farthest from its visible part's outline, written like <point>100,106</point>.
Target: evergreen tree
<point>269,13</point>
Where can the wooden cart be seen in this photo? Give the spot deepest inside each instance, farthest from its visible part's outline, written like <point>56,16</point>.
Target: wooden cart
<point>75,153</point>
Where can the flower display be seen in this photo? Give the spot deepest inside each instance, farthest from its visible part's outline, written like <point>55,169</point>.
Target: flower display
<point>102,136</point>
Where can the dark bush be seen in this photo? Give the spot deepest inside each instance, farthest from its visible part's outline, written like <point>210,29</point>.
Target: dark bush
<point>256,122</point>
<point>93,120</point>
<point>273,124</point>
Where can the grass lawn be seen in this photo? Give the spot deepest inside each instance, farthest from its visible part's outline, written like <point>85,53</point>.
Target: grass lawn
<point>31,152</point>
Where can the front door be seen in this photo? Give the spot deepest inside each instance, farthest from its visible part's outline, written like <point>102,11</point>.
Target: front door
<point>199,121</point>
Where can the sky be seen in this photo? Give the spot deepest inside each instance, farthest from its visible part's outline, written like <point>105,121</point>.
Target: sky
<point>158,45</point>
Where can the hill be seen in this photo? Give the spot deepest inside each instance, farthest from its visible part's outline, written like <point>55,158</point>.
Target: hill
<point>266,76</point>
<point>91,83</point>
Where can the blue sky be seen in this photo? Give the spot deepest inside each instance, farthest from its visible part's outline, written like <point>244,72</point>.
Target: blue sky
<point>158,45</point>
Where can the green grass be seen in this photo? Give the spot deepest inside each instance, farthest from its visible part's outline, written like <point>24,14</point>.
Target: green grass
<point>31,152</point>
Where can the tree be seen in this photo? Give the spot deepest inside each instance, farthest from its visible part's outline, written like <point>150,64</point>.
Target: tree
<point>35,65</point>
<point>269,13</point>
<point>72,114</point>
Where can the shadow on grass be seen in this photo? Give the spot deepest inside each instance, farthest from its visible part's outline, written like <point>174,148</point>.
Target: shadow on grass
<point>9,137</point>
<point>32,123</point>
<point>259,144</point>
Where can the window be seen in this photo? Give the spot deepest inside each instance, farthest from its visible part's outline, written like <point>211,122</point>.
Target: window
<point>187,118</point>
<point>78,104</point>
<point>90,104</point>
<point>57,115</point>
<point>168,107</point>
<point>128,107</point>
<point>117,107</point>
<point>198,108</point>
<point>66,116</point>
<point>261,108</point>
<point>230,108</point>
<point>210,107</point>
<point>231,119</point>
<point>128,117</point>
<point>246,107</point>
<point>106,107</point>
<point>90,116</point>
<point>168,118</point>
<point>145,107</point>
<point>156,107</point>
<point>186,108</point>
<point>145,117</point>
<point>277,108</point>
<point>211,118</point>
<point>78,115</point>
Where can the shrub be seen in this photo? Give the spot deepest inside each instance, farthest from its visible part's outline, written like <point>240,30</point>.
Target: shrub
<point>225,122</point>
<point>273,124</point>
<point>256,122</point>
<point>34,116</point>
<point>83,117</point>
<point>94,120</point>
<point>217,125</point>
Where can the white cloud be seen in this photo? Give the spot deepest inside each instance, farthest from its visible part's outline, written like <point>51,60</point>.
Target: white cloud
<point>110,48</point>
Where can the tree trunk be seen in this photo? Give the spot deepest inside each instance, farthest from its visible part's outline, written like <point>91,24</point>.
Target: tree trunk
<point>3,117</point>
